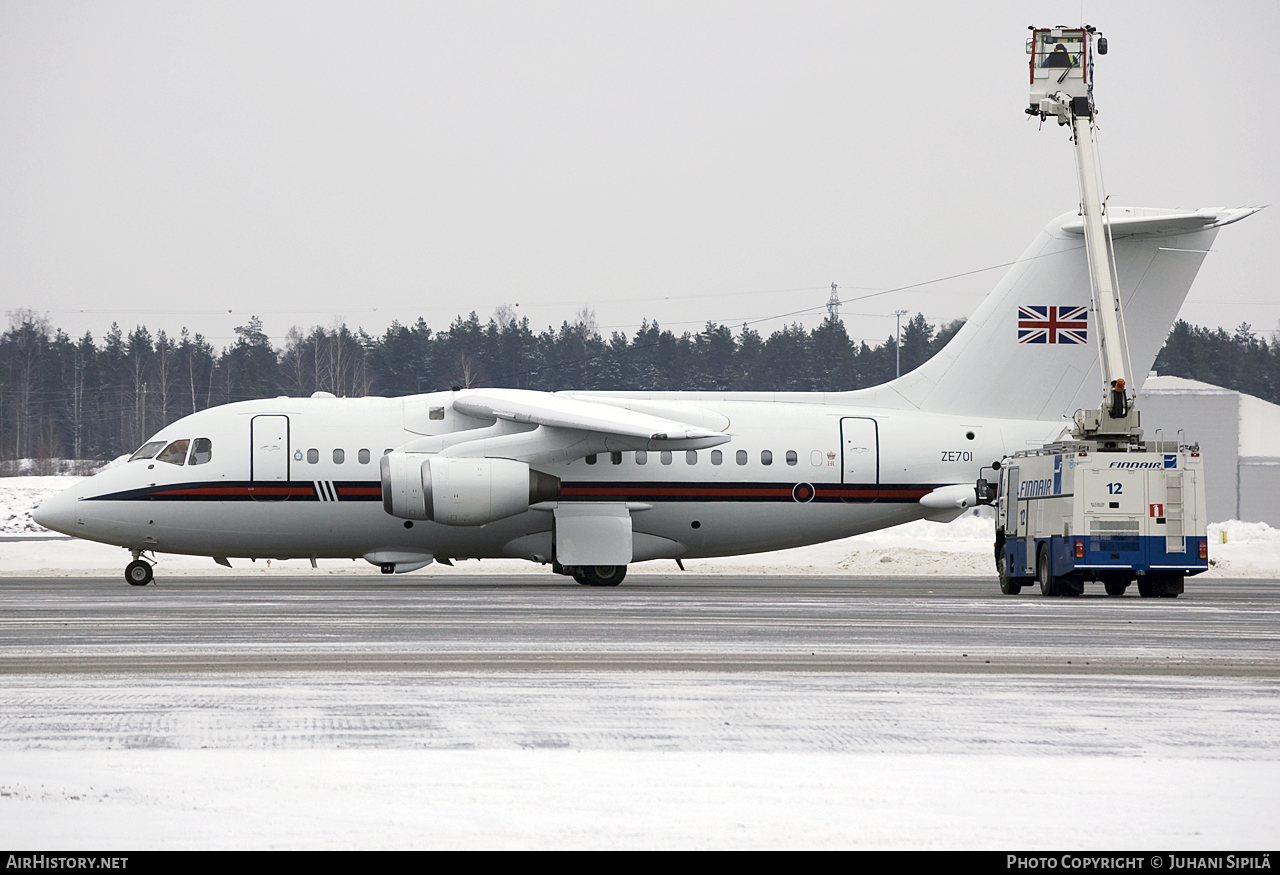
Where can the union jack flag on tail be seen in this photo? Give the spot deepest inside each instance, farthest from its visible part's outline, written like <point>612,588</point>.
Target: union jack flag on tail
<point>1053,325</point>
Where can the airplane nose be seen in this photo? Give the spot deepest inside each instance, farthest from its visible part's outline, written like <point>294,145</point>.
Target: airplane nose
<point>57,513</point>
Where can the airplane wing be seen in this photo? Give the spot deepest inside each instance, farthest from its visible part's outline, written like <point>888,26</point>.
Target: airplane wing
<point>554,411</point>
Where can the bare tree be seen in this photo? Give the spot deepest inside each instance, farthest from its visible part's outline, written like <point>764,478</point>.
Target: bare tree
<point>26,340</point>
<point>468,369</point>
<point>585,322</point>
<point>293,363</point>
<point>197,365</point>
<point>163,371</point>
<point>505,316</point>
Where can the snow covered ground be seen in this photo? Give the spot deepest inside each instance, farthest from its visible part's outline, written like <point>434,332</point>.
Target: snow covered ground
<point>539,799</point>
<point>637,760</point>
<point>961,548</point>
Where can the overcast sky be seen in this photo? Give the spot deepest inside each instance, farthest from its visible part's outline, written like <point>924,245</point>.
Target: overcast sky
<point>194,164</point>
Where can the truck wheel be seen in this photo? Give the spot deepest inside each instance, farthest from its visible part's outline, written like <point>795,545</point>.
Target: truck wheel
<point>1007,585</point>
<point>1170,587</point>
<point>1115,587</point>
<point>1048,585</point>
<point>1146,588</point>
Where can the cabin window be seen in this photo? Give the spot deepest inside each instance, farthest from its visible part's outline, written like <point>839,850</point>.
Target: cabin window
<point>666,457</point>
<point>815,458</point>
<point>691,457</point>
<point>175,453</point>
<point>741,457</point>
<point>387,451</point>
<point>642,457</point>
<point>615,458</point>
<point>766,457</point>
<point>591,459</point>
<point>201,451</point>
<point>313,455</point>
<point>436,413</point>
<point>363,456</point>
<point>716,457</point>
<point>792,457</point>
<point>146,451</point>
<point>339,457</point>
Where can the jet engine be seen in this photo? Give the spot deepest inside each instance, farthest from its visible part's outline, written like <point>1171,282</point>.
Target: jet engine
<point>461,491</point>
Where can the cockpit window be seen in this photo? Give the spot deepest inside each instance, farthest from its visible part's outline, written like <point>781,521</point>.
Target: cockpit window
<point>201,451</point>
<point>175,453</point>
<point>146,451</point>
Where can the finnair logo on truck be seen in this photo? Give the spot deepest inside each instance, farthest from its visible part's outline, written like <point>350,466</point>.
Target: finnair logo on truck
<point>1164,464</point>
<point>1046,487</point>
<point>1035,488</point>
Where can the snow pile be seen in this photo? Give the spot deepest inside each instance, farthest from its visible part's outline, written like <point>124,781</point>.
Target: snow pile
<point>19,496</point>
<point>1250,549</point>
<point>49,467</point>
<point>962,548</point>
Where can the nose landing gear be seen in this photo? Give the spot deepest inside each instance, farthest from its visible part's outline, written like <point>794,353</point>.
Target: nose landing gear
<point>137,572</point>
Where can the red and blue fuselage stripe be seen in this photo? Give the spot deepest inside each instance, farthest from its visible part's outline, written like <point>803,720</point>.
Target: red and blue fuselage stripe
<point>366,490</point>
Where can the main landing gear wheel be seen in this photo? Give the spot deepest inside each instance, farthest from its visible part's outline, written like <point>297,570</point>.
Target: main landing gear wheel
<point>1008,586</point>
<point>600,575</point>
<point>138,573</point>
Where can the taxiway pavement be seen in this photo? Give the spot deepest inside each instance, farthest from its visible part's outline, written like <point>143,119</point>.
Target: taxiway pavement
<point>681,622</point>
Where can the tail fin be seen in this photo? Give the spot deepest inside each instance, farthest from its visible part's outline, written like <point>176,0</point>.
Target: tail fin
<point>1030,351</point>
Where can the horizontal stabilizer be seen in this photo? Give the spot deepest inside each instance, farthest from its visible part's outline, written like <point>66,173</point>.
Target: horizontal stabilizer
<point>1131,221</point>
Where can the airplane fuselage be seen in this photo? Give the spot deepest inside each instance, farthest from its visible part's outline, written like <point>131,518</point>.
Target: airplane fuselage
<point>299,477</point>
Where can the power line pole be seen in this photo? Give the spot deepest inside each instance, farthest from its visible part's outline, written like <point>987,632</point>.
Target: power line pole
<point>77,392</point>
<point>833,304</point>
<point>897,344</point>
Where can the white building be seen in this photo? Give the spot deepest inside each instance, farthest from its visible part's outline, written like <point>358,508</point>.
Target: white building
<point>1238,434</point>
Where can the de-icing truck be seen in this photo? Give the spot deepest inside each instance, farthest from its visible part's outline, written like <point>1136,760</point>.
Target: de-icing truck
<point>1075,511</point>
<point>1104,505</point>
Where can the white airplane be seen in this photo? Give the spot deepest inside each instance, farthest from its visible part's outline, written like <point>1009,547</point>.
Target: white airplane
<point>593,481</point>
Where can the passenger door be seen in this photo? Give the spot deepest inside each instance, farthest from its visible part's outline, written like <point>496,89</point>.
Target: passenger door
<point>860,448</point>
<point>269,448</point>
